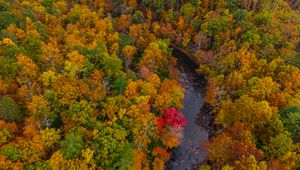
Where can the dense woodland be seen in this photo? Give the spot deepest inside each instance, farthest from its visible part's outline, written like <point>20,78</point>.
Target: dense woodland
<point>92,84</point>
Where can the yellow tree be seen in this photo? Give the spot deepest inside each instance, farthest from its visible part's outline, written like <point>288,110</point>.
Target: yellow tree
<point>97,89</point>
<point>51,55</point>
<point>75,63</point>
<point>40,111</point>
<point>245,109</point>
<point>128,52</point>
<point>28,70</point>
<point>156,56</point>
<point>170,95</point>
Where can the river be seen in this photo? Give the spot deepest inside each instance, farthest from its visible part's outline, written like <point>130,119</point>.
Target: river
<point>191,152</point>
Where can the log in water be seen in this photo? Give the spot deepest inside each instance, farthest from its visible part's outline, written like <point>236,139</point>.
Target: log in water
<point>191,152</point>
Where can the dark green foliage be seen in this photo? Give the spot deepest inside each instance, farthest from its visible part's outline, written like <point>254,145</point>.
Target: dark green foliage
<point>119,85</point>
<point>11,51</point>
<point>88,68</point>
<point>6,19</point>
<point>155,5</point>
<point>9,110</point>
<point>125,40</point>
<point>71,146</point>
<point>33,47</point>
<point>126,158</point>
<point>295,60</point>
<point>196,23</point>
<point>8,69</point>
<point>217,24</point>
<point>291,120</point>
<point>42,29</point>
<point>4,6</point>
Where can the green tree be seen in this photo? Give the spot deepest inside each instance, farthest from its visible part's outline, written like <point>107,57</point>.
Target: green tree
<point>119,85</point>
<point>279,145</point>
<point>9,110</point>
<point>8,68</point>
<point>188,11</point>
<point>111,64</point>
<point>155,5</point>
<point>11,152</point>
<point>71,147</point>
<point>291,120</point>
<point>111,141</point>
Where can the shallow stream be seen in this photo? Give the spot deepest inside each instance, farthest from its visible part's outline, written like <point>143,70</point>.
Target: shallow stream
<point>191,152</point>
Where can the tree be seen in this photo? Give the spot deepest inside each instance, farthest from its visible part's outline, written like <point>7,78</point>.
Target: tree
<point>128,52</point>
<point>51,55</point>
<point>111,64</point>
<point>40,111</point>
<point>233,144</point>
<point>28,70</point>
<point>156,56</point>
<point>250,163</point>
<point>3,88</point>
<point>188,11</point>
<point>124,22</point>
<point>48,78</point>
<point>97,88</point>
<point>9,69</point>
<point>79,113</point>
<point>263,89</point>
<point>125,159</point>
<point>50,136</point>
<point>155,5</point>
<point>9,110</point>
<point>71,147</point>
<point>119,85</point>
<point>170,95</point>
<point>11,152</point>
<point>245,109</point>
<point>171,117</point>
<point>93,84</point>
<point>39,165</point>
<point>69,89</point>
<point>279,145</point>
<point>7,132</point>
<point>234,83</point>
<point>111,141</point>
<point>75,64</point>
<point>140,161</point>
<point>213,91</point>
<point>291,119</point>
<point>5,136</point>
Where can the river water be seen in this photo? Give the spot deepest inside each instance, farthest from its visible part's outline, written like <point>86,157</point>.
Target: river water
<point>191,152</point>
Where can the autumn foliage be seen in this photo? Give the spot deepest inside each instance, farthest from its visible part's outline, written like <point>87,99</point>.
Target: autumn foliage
<point>90,84</point>
<point>171,117</point>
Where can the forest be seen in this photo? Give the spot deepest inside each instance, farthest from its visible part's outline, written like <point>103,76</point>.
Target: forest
<point>93,84</point>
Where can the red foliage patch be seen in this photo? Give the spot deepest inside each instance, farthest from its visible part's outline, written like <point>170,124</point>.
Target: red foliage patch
<point>171,117</point>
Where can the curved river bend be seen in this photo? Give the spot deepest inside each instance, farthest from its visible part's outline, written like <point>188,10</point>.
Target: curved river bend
<point>190,153</point>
